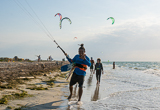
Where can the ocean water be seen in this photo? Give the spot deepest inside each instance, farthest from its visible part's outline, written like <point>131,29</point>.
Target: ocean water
<point>130,86</point>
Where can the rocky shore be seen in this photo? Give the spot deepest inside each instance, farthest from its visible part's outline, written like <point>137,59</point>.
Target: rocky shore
<point>13,70</point>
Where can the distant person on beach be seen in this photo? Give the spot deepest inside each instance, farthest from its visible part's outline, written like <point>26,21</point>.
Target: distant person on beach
<point>113,65</point>
<point>81,62</point>
<point>99,69</point>
<point>39,58</point>
<point>50,58</point>
<point>91,67</point>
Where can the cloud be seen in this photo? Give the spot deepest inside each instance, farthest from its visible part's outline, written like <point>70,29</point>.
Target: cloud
<point>136,39</point>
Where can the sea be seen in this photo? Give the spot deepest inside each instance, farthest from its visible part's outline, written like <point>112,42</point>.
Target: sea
<point>130,86</point>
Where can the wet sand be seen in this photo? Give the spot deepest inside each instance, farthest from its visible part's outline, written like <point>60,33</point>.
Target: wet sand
<point>90,93</point>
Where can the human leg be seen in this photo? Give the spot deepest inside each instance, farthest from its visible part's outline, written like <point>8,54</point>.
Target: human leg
<point>80,82</point>
<point>99,77</point>
<point>71,89</point>
<point>91,69</point>
<point>72,82</point>
<point>80,93</point>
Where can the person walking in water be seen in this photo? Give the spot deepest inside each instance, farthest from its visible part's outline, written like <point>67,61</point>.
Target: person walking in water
<point>99,70</point>
<point>91,67</point>
<point>81,62</point>
<point>113,65</point>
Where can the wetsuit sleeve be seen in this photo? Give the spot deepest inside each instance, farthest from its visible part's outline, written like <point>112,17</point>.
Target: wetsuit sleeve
<point>74,59</point>
<point>95,67</point>
<point>87,61</point>
<point>71,60</point>
<point>101,66</point>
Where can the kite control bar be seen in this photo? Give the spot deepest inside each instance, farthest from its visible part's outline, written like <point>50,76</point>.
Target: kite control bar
<point>60,48</point>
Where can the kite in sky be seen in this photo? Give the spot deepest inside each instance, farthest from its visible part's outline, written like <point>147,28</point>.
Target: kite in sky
<point>64,19</point>
<point>59,15</point>
<point>75,38</point>
<point>113,20</point>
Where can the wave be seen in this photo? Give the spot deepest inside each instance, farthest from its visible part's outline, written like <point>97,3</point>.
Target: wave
<point>134,65</point>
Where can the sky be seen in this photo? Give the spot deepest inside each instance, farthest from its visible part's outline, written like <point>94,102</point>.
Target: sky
<point>134,36</point>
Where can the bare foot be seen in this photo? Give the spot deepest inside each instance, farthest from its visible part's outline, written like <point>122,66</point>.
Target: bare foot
<point>79,103</point>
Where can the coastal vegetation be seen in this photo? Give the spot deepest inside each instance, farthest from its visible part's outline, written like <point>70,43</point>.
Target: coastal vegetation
<point>22,94</point>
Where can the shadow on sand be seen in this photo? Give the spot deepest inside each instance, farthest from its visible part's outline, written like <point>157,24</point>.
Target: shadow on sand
<point>89,81</point>
<point>45,106</point>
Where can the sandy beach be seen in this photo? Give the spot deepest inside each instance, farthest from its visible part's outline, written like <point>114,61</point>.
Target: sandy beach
<point>38,99</point>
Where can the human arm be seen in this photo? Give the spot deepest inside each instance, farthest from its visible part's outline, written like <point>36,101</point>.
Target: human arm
<point>69,59</point>
<point>94,68</point>
<point>102,68</point>
<point>87,61</point>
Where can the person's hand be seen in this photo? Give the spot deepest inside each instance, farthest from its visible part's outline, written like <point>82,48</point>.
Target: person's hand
<point>65,54</point>
<point>102,72</point>
<point>93,72</point>
<point>83,56</point>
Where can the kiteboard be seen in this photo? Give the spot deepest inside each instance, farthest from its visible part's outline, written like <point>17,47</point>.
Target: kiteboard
<point>65,68</point>
<point>70,73</point>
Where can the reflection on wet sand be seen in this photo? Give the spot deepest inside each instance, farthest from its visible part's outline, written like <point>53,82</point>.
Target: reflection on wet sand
<point>89,80</point>
<point>75,91</point>
<point>95,96</point>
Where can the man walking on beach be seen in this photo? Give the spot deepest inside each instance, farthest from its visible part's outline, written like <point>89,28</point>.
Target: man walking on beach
<point>81,62</point>
<point>91,67</point>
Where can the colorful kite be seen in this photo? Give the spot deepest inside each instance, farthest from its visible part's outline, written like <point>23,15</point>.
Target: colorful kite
<point>113,20</point>
<point>63,19</point>
<point>59,15</point>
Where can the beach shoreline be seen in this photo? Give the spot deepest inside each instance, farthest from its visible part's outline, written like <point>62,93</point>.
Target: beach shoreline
<point>50,98</point>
